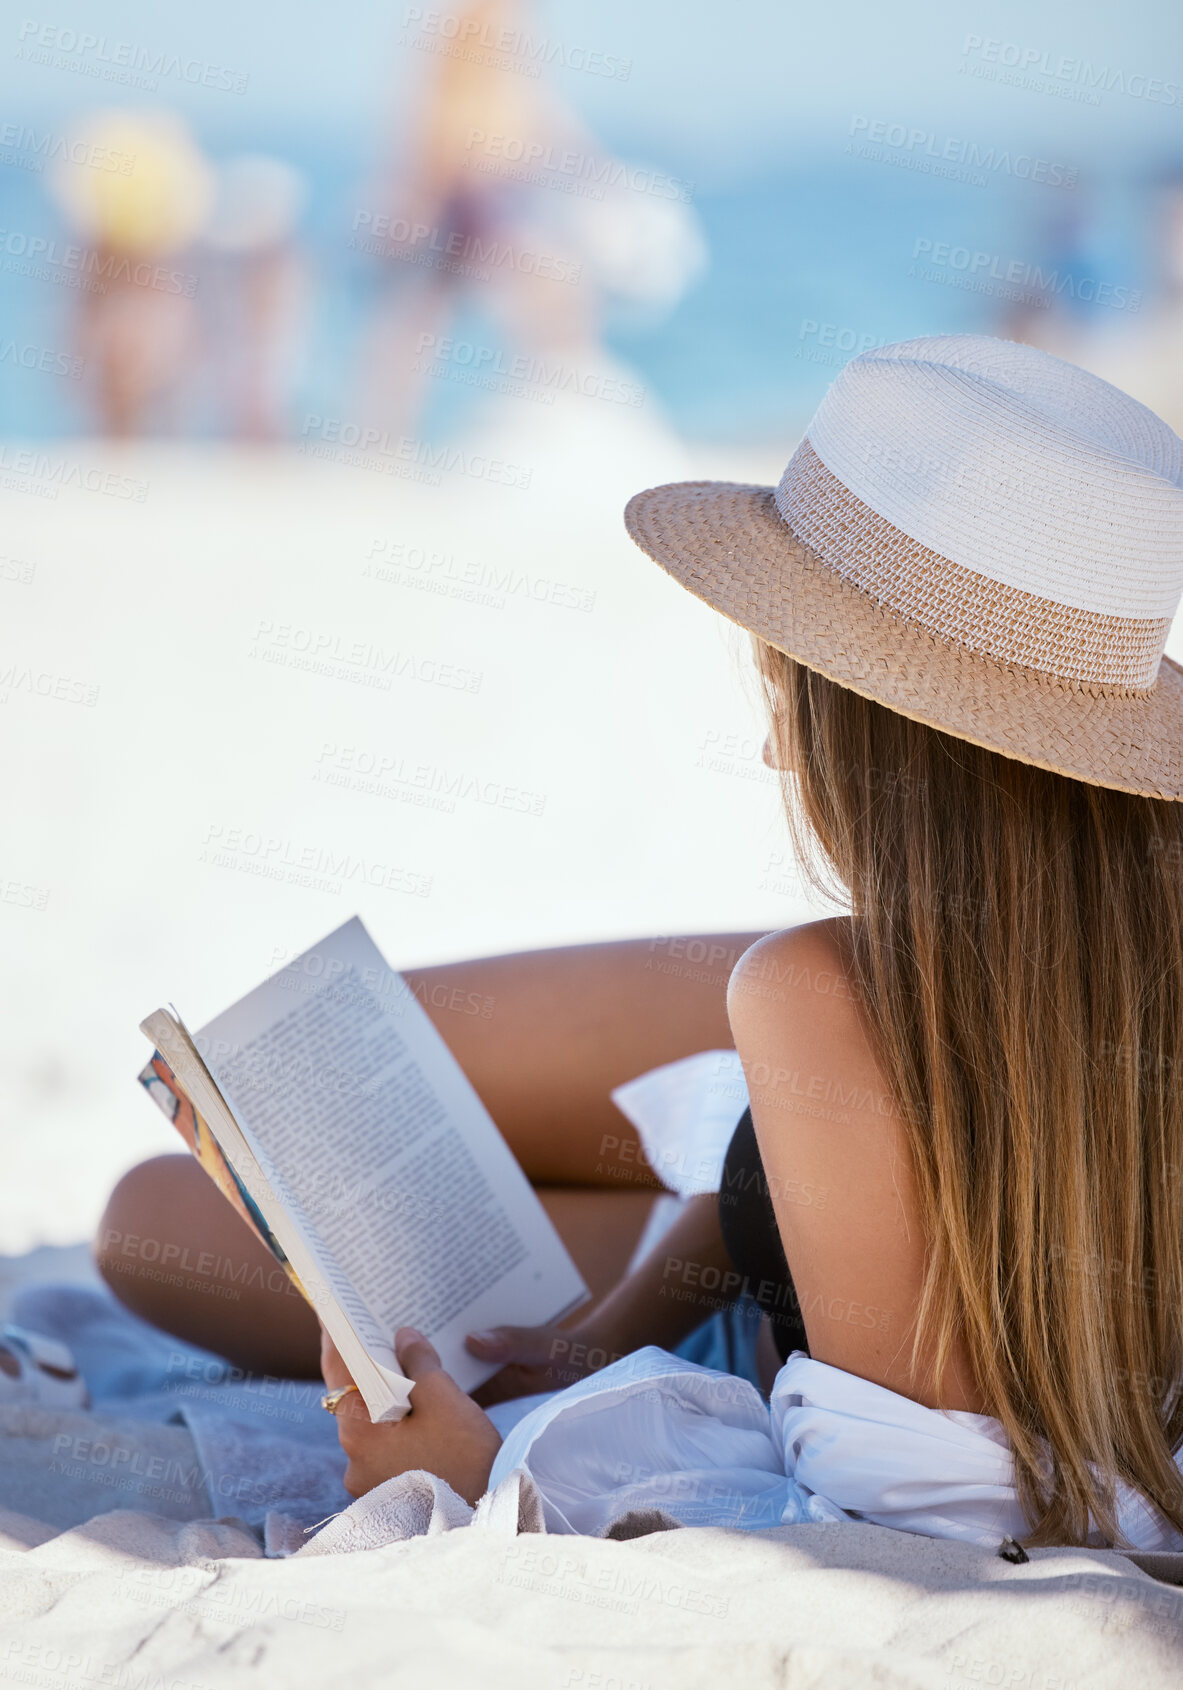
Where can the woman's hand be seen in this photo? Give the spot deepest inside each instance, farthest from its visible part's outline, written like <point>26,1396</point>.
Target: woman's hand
<point>639,1310</point>
<point>445,1432</point>
<point>540,1358</point>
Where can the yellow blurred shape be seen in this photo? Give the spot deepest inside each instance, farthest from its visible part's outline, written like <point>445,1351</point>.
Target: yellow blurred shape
<point>156,204</point>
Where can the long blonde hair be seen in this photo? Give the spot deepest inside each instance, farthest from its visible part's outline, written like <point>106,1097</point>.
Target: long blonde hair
<point>1018,950</point>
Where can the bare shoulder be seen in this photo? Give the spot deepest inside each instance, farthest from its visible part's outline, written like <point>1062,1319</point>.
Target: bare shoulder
<point>795,1017</point>
<point>793,983</point>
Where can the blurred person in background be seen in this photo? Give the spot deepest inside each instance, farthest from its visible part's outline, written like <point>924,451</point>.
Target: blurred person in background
<point>136,308</point>
<point>255,308</point>
<point>500,184</point>
<point>1141,346</point>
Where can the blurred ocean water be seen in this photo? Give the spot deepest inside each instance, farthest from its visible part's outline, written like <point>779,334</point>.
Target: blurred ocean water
<point>803,269</point>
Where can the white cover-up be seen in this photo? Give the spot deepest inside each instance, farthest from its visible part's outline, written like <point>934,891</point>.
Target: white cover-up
<point>654,1431</point>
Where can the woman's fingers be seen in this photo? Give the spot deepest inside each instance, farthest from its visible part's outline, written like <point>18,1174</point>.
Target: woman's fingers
<point>415,1355</point>
<point>490,1346</point>
<point>332,1369</point>
<point>529,1358</point>
<point>525,1344</point>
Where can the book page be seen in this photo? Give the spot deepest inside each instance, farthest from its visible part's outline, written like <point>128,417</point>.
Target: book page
<point>372,1137</point>
<point>204,1114</point>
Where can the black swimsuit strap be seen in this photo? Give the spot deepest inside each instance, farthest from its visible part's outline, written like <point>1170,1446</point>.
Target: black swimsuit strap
<point>747,1221</point>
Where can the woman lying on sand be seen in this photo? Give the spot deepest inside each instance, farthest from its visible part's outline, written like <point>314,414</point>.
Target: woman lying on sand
<point>957,1195</point>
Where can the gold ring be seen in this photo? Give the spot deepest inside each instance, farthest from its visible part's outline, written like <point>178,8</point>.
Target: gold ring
<point>332,1400</point>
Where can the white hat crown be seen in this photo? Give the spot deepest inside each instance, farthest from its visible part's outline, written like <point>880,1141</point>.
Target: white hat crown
<point>1002,498</point>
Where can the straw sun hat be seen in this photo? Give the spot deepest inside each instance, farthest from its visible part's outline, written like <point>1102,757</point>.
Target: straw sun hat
<point>975,534</point>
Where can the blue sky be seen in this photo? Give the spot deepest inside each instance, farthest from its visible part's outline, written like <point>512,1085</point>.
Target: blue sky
<point>713,91</point>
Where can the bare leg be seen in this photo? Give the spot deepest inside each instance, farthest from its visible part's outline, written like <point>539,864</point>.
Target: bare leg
<point>543,1036</point>
<point>174,1251</point>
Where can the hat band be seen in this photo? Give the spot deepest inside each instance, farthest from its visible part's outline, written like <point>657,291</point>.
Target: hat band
<point>989,618</point>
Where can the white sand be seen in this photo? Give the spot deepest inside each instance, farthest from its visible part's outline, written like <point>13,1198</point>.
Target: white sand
<point>131,1599</point>
<point>607,718</point>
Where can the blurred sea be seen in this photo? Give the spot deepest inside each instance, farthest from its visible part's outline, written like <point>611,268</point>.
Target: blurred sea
<point>803,268</point>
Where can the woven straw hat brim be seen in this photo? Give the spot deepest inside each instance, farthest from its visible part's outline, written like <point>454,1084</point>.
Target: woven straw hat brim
<point>727,544</point>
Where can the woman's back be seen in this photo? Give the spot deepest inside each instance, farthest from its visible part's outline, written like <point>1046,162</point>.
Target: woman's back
<point>837,1161</point>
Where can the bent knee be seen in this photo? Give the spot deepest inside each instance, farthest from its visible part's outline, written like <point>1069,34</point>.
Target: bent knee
<point>131,1228</point>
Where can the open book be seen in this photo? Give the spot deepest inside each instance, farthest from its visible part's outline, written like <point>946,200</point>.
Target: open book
<point>335,1119</point>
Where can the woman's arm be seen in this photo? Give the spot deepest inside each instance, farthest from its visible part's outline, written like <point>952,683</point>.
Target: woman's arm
<point>680,1283</point>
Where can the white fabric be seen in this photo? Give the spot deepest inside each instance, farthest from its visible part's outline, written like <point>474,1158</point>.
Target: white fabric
<point>655,1431</point>
<point>661,1217</point>
<point>685,1113</point>
<point>651,1431</point>
<point>1015,464</point>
